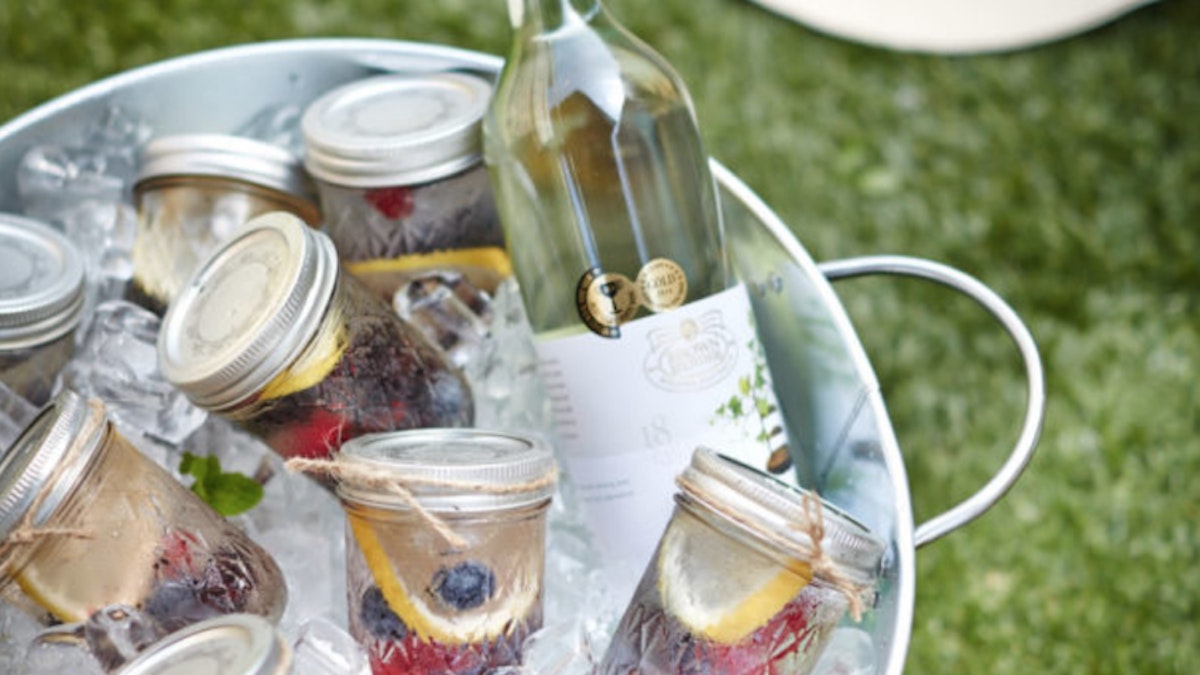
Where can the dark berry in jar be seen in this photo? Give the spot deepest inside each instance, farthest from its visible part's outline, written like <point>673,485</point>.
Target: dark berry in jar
<point>379,618</point>
<point>464,586</point>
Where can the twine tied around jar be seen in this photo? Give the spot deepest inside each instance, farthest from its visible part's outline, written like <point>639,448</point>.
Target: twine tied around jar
<point>26,533</point>
<point>813,525</point>
<point>399,485</point>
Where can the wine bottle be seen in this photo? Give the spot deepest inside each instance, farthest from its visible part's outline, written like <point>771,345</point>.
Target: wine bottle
<point>645,339</point>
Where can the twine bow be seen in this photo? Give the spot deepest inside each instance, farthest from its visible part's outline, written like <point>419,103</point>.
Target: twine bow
<point>398,485</point>
<point>813,525</point>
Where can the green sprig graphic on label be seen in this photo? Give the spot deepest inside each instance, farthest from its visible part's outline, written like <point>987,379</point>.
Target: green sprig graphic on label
<point>755,401</point>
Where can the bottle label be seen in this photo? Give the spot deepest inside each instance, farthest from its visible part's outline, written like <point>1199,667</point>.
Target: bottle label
<point>629,412</point>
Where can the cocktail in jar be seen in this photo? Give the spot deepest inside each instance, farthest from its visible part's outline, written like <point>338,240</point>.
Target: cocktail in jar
<point>398,164</point>
<point>87,521</point>
<point>751,576</point>
<point>272,335</point>
<point>446,547</point>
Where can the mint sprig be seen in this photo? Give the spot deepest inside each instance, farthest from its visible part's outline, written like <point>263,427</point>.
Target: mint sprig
<point>228,493</point>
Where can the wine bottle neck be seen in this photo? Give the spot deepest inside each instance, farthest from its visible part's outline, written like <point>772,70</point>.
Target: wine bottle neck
<point>546,15</point>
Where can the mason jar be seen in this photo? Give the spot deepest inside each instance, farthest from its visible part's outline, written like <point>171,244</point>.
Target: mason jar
<point>87,521</point>
<point>422,600</point>
<point>750,575</point>
<point>42,290</point>
<point>398,165</point>
<point>272,335</point>
<point>193,191</point>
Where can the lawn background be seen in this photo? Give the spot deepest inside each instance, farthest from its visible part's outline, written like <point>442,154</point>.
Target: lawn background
<point>1066,177</point>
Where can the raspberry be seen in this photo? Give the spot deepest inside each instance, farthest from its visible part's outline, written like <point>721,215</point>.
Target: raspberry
<point>393,202</point>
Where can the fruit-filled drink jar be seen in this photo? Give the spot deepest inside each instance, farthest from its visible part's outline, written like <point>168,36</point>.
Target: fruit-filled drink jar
<point>272,335</point>
<point>750,576</point>
<point>87,521</point>
<point>454,586</point>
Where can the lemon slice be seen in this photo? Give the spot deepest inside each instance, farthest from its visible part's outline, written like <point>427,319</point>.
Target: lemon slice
<point>475,626</point>
<point>716,587</point>
<point>485,257</point>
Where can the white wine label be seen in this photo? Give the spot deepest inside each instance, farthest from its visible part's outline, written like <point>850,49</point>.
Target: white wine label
<point>630,412</point>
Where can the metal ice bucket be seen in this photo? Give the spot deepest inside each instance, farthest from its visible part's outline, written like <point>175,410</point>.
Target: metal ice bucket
<point>827,390</point>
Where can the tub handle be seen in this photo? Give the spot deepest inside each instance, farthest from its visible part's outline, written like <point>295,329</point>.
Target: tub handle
<point>975,505</point>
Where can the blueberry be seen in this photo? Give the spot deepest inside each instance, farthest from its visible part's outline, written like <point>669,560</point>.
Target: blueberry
<point>379,618</point>
<point>467,585</point>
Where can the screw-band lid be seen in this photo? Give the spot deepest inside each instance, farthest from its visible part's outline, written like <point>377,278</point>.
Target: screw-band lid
<point>225,156</point>
<point>767,504</point>
<point>396,129</point>
<point>42,285</point>
<point>248,311</point>
<point>232,644</point>
<point>49,455</point>
<point>451,469</point>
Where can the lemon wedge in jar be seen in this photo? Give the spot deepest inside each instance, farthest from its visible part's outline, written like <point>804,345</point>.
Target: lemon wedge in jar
<point>481,625</point>
<point>716,588</point>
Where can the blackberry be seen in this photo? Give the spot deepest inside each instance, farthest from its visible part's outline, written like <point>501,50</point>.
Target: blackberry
<point>467,585</point>
<point>379,618</point>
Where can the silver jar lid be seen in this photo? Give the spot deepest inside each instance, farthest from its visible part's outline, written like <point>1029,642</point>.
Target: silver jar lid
<point>477,469</point>
<point>224,156</point>
<point>248,311</point>
<point>49,455</point>
<point>41,283</point>
<point>396,129</point>
<point>233,644</point>
<point>763,503</point>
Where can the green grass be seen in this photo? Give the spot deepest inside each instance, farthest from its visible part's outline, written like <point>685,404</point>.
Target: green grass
<point>1066,177</point>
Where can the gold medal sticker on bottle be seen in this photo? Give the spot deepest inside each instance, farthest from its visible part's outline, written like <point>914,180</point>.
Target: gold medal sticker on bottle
<point>606,300</point>
<point>663,285</point>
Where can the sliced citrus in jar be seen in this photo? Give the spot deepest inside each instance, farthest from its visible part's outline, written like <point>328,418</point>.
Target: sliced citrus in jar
<point>474,625</point>
<point>716,587</point>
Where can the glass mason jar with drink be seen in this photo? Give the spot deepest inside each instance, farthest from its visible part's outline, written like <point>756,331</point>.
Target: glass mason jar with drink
<point>272,335</point>
<point>750,576</point>
<point>87,521</point>
<point>446,547</point>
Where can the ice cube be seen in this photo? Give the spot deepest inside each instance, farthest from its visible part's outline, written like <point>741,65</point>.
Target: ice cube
<point>17,632</point>
<point>277,124</point>
<point>302,525</point>
<point>117,362</point>
<point>503,374</point>
<point>59,650</point>
<point>52,179</point>
<point>15,414</point>
<point>450,311</point>
<point>850,651</point>
<point>116,634</point>
<point>324,648</point>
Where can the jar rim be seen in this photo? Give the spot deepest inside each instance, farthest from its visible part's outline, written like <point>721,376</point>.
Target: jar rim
<point>246,643</point>
<point>51,453</point>
<point>455,469</point>
<point>248,311</point>
<point>762,504</point>
<point>225,156</point>
<point>397,129</point>
<point>42,283</point>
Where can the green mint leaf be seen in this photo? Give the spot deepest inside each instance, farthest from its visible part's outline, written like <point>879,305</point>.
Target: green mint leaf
<point>233,493</point>
<point>227,493</point>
